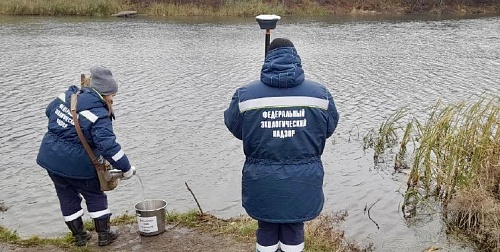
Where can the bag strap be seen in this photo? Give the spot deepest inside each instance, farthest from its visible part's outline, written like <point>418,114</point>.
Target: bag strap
<point>89,151</point>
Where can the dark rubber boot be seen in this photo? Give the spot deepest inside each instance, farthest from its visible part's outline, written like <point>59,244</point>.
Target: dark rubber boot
<point>76,227</point>
<point>104,235</point>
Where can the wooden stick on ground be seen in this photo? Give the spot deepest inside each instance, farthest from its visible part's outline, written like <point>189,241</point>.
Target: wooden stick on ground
<point>199,207</point>
<point>376,224</point>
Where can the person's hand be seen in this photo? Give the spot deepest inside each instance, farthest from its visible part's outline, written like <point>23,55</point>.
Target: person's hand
<point>129,173</point>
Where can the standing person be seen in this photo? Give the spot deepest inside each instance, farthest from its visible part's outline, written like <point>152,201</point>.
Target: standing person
<point>283,121</point>
<point>69,166</point>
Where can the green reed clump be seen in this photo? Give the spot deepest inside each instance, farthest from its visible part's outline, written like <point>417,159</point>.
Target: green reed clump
<point>455,146</point>
<point>460,165</point>
<point>60,7</point>
<point>7,235</point>
<point>386,136</point>
<point>456,161</point>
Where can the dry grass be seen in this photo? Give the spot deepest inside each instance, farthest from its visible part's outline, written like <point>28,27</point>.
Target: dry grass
<point>476,213</point>
<point>12,237</point>
<point>240,8</point>
<point>456,162</point>
<point>243,7</point>
<point>322,234</point>
<point>60,7</point>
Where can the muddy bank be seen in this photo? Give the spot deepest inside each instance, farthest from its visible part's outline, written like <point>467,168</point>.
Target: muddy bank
<point>174,239</point>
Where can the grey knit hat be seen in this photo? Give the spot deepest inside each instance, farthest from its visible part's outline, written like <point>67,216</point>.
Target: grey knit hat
<point>101,79</point>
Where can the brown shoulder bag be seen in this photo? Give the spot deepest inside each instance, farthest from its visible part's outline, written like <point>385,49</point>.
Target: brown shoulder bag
<point>102,168</point>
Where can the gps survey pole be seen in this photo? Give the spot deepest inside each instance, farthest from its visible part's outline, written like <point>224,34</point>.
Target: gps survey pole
<point>267,22</point>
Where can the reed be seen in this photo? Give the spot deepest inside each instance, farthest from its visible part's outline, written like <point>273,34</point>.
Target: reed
<point>457,145</point>
<point>160,8</point>
<point>239,8</point>
<point>172,9</point>
<point>456,161</point>
<point>386,136</point>
<point>242,7</point>
<point>60,7</point>
<point>250,8</point>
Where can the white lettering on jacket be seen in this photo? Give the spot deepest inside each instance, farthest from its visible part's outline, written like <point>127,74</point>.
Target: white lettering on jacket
<point>64,115</point>
<point>283,128</point>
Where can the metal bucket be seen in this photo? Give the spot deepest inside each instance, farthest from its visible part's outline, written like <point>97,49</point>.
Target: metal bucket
<point>150,216</point>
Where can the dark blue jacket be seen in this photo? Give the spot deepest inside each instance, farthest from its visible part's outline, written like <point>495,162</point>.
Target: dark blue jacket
<point>61,151</point>
<point>283,121</point>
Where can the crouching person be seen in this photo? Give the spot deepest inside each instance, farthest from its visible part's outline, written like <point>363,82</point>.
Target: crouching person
<point>68,164</point>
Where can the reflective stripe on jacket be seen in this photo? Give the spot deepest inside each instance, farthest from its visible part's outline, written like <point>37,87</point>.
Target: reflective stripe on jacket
<point>61,151</point>
<point>283,121</point>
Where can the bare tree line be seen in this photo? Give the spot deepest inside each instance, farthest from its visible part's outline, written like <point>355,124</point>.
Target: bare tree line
<point>422,5</point>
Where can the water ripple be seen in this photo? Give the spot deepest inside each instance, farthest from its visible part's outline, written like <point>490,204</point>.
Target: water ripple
<point>177,77</point>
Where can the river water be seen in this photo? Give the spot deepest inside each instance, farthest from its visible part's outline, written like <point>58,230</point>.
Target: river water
<point>177,76</point>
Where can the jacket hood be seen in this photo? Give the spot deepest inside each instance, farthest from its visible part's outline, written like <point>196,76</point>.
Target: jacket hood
<point>282,68</point>
<point>91,98</point>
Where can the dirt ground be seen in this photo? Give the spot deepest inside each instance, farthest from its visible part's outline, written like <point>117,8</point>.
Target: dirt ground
<point>174,239</point>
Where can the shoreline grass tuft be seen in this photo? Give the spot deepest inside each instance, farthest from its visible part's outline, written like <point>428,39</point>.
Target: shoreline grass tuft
<point>456,162</point>
<point>322,234</point>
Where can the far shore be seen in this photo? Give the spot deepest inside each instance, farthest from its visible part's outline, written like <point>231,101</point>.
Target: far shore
<point>245,8</point>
